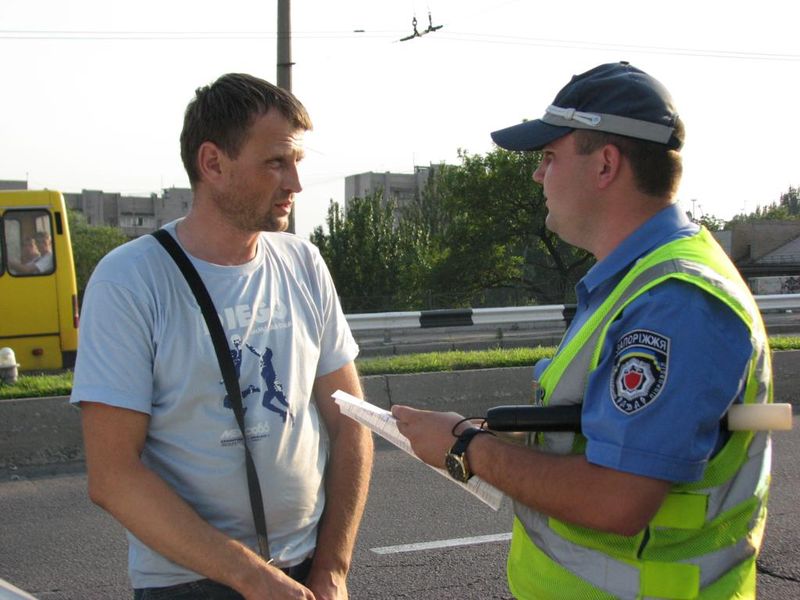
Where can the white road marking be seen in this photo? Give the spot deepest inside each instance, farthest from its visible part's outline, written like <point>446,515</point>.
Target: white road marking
<point>469,541</point>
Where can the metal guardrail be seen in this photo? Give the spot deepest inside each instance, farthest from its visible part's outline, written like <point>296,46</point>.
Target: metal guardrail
<point>381,321</point>
<point>785,302</point>
<point>509,315</point>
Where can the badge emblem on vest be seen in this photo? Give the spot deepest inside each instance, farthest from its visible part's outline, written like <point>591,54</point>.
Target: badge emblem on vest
<point>641,358</point>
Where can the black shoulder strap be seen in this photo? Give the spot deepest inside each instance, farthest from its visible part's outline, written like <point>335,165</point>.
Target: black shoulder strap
<point>229,375</point>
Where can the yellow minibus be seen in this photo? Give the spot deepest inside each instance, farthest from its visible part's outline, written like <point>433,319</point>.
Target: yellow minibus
<point>38,293</point>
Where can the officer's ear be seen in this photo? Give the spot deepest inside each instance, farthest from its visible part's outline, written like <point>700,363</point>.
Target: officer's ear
<point>609,162</point>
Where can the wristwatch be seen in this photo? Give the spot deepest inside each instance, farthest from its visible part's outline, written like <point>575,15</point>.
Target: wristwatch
<point>456,459</point>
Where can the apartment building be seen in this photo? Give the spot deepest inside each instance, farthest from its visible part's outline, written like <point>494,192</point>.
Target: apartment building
<point>402,188</point>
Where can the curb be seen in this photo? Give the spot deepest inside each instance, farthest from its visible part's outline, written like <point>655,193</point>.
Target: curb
<point>41,431</point>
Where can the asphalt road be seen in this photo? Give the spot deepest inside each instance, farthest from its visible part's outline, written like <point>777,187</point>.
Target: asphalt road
<point>55,544</point>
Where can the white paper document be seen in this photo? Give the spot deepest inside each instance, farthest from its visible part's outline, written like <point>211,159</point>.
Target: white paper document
<point>383,423</point>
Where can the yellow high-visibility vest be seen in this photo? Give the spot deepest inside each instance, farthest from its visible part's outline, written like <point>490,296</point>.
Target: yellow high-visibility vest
<point>703,541</point>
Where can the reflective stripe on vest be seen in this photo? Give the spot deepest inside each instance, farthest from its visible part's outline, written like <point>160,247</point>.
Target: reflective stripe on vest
<point>629,581</point>
<point>737,477</point>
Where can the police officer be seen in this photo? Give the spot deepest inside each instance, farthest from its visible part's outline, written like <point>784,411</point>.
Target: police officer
<point>655,498</point>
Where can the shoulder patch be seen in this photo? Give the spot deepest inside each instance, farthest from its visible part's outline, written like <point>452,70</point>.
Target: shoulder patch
<point>641,361</point>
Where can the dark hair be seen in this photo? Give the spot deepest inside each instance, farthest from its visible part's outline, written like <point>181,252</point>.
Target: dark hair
<point>656,169</point>
<point>223,112</point>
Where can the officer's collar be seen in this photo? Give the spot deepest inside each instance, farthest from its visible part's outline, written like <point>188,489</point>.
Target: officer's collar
<point>651,234</point>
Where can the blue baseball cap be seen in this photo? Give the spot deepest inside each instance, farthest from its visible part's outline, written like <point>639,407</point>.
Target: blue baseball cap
<point>614,98</point>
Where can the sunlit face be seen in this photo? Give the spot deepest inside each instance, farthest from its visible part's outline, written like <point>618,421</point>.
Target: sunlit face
<point>260,183</point>
<point>43,244</point>
<point>564,176</point>
<point>29,250</point>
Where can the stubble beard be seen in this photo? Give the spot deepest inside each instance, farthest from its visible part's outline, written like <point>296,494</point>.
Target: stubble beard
<point>243,213</point>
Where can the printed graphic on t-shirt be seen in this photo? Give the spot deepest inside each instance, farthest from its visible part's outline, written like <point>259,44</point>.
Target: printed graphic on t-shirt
<point>273,397</point>
<point>233,437</point>
<point>256,319</point>
<point>641,359</point>
<point>236,355</point>
<point>274,389</point>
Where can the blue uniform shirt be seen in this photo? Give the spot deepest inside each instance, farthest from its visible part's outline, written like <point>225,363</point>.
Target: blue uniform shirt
<point>671,365</point>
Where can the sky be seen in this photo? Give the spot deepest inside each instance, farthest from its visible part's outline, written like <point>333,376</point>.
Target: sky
<point>93,92</point>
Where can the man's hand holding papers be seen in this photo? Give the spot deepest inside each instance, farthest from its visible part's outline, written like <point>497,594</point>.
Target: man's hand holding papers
<point>384,424</point>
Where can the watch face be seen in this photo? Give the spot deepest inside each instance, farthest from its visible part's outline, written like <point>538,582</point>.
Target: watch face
<point>455,466</point>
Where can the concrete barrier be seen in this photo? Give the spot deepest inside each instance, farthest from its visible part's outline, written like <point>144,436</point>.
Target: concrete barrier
<point>40,431</point>
<point>474,392</point>
<point>460,391</point>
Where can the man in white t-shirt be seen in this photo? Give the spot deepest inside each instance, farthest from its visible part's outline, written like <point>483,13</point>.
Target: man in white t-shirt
<point>164,453</point>
<point>39,264</point>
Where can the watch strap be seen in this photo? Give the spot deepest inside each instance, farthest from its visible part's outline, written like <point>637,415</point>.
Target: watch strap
<point>456,460</point>
<point>463,441</point>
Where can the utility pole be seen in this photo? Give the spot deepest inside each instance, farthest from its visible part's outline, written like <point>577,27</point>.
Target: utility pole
<point>285,61</point>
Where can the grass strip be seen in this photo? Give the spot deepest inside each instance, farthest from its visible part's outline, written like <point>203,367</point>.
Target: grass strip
<point>784,342</point>
<point>38,386</point>
<point>60,384</point>
<point>453,361</point>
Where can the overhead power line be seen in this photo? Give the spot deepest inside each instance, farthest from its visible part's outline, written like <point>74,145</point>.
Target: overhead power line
<point>583,45</point>
<point>450,36</point>
<point>180,35</point>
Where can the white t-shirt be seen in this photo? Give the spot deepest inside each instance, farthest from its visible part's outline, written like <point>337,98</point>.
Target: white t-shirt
<point>44,264</point>
<point>144,346</point>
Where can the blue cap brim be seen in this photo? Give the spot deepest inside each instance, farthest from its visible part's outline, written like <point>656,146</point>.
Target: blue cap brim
<point>530,135</point>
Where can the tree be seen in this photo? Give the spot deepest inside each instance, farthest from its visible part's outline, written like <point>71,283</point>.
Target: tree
<point>493,235</point>
<point>711,222</point>
<point>787,208</point>
<point>90,244</point>
<point>372,258</point>
<point>475,236</point>
<point>791,202</point>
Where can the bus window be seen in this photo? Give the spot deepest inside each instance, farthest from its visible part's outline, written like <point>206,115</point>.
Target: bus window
<point>29,242</point>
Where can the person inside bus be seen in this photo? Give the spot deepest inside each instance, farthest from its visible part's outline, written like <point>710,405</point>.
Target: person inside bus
<point>42,263</point>
<point>29,251</point>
